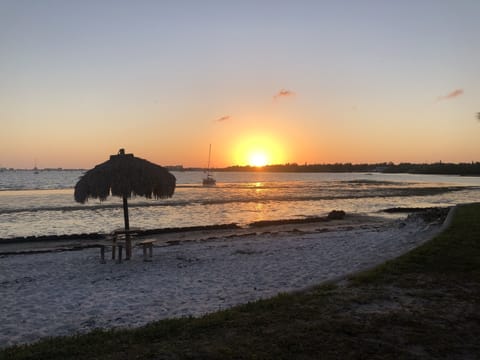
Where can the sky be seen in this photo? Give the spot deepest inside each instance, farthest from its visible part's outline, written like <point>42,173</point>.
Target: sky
<point>263,82</point>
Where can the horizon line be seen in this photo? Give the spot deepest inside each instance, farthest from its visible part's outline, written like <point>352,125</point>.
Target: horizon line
<point>294,164</point>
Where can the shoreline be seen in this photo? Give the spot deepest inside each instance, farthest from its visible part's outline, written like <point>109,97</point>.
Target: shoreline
<point>63,293</point>
<point>66,242</point>
<point>174,236</point>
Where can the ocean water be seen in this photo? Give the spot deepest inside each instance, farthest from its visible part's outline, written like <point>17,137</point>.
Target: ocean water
<point>42,204</point>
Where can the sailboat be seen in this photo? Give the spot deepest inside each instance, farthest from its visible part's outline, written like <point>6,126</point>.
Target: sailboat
<point>35,168</point>
<point>209,180</point>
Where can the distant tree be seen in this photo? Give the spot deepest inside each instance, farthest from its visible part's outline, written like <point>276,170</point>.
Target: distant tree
<point>478,115</point>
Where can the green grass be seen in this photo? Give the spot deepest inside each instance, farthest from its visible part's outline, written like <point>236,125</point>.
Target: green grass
<point>423,305</point>
<point>456,252</point>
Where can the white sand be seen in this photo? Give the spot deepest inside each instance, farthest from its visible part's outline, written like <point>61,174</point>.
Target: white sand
<point>63,293</point>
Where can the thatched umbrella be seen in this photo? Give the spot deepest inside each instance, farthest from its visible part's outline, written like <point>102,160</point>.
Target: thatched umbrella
<point>125,175</point>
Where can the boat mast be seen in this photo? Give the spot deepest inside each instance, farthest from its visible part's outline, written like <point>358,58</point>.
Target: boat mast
<point>209,152</point>
<point>209,180</point>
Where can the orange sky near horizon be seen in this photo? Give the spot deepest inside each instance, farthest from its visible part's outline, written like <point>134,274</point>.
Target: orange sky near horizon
<point>237,139</point>
<point>307,82</point>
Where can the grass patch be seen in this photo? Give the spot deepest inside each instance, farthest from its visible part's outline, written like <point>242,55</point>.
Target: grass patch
<point>454,253</point>
<point>422,305</point>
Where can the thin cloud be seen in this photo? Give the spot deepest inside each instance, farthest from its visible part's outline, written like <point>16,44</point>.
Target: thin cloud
<point>223,118</point>
<point>283,93</point>
<point>454,94</point>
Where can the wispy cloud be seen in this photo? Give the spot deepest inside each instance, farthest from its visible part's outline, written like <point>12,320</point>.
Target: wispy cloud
<point>454,94</point>
<point>223,118</point>
<point>283,93</point>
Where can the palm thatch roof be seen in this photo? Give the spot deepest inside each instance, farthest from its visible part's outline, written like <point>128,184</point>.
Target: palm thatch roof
<point>125,175</point>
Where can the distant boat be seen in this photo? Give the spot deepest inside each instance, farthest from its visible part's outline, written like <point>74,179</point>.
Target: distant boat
<point>209,180</point>
<point>35,168</point>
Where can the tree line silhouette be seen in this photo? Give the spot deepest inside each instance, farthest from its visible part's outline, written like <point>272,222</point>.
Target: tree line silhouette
<point>439,168</point>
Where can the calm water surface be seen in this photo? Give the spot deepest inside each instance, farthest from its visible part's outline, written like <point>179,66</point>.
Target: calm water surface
<point>43,204</point>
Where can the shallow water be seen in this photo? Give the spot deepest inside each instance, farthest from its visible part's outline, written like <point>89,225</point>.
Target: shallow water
<point>43,204</point>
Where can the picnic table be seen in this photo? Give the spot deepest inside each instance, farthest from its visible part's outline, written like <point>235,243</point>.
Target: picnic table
<point>122,238</point>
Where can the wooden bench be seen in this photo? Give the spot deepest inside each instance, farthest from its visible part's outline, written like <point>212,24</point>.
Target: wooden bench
<point>147,246</point>
<point>125,236</point>
<point>117,246</point>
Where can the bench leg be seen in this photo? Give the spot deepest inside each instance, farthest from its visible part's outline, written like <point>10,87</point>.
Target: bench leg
<point>145,256</point>
<point>102,255</point>
<point>120,248</point>
<point>128,247</point>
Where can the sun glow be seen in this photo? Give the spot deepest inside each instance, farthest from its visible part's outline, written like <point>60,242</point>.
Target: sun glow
<point>259,151</point>
<point>258,159</point>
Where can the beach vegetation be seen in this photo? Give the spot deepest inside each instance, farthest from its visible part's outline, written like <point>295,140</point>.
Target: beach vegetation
<point>422,305</point>
<point>455,253</point>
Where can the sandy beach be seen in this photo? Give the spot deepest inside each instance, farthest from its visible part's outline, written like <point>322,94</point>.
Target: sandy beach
<point>62,293</point>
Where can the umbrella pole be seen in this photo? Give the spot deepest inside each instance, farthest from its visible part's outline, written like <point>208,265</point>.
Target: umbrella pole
<point>128,243</point>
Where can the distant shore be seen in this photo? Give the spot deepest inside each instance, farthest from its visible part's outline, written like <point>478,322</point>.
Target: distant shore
<point>440,168</point>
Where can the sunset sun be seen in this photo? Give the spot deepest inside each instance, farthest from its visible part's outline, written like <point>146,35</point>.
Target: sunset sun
<point>259,151</point>
<point>258,159</point>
